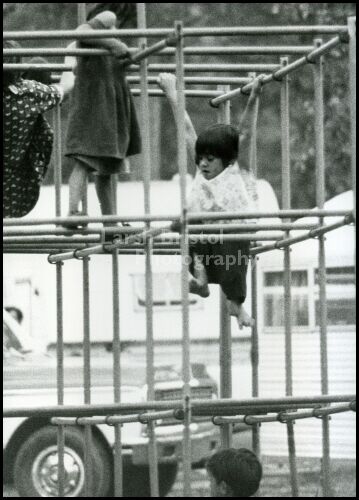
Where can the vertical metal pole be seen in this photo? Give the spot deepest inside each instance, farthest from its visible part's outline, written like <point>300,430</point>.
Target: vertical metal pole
<point>225,360</point>
<point>116,346</point>
<point>254,292</point>
<point>152,446</point>
<point>225,338</point>
<point>182,164</point>
<point>60,379</point>
<point>255,351</point>
<point>152,450</point>
<point>59,302</point>
<point>286,204</point>
<point>320,196</point>
<point>353,109</point>
<point>57,159</point>
<point>81,18</point>
<point>87,374</point>
<point>114,182</point>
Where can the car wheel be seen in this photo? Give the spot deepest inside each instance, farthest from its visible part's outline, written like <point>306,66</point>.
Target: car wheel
<point>36,465</point>
<point>136,480</point>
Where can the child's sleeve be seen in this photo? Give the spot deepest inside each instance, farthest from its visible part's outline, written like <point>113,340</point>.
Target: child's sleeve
<point>45,97</point>
<point>104,21</point>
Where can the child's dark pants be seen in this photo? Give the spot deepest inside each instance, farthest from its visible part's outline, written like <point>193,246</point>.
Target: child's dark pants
<point>226,264</point>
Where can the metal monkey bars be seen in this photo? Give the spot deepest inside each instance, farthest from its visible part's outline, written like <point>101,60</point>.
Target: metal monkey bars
<point>31,236</point>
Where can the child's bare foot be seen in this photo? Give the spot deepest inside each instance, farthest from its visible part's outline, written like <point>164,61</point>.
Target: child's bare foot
<point>243,318</point>
<point>198,288</point>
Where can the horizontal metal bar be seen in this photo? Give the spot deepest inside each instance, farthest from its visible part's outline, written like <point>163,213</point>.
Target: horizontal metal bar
<point>195,80</point>
<point>193,216</point>
<point>210,404</point>
<point>200,238</point>
<point>200,50</point>
<point>153,49</point>
<point>122,251</point>
<point>280,73</point>
<point>256,67</point>
<point>316,412</point>
<point>287,214</point>
<point>167,242</point>
<point>311,57</point>
<point>71,232</point>
<point>188,93</point>
<point>313,233</point>
<point>218,237</point>
<point>199,80</point>
<point>51,239</point>
<point>250,227</point>
<point>116,419</point>
<point>151,67</point>
<point>193,228</point>
<point>298,400</point>
<point>285,416</point>
<point>160,32</point>
<point>37,67</point>
<point>245,410</point>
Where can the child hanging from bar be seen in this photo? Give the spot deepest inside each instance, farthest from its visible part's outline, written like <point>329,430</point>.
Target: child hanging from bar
<point>103,129</point>
<point>27,136</point>
<point>221,184</point>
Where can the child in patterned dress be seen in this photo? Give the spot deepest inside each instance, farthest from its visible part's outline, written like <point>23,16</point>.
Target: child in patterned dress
<point>27,137</point>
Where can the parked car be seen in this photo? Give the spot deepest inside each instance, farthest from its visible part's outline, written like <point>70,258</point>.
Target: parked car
<point>30,444</point>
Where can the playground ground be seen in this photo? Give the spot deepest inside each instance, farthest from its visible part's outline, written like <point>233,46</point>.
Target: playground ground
<point>276,480</point>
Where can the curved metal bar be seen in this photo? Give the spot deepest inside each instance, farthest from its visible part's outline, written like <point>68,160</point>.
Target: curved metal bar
<point>280,73</point>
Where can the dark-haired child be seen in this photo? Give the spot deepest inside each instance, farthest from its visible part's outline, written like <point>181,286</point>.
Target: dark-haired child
<point>102,128</point>
<point>221,184</point>
<point>234,473</point>
<point>43,76</point>
<point>27,136</point>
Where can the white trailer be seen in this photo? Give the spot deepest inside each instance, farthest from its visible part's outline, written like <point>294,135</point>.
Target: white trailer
<point>30,280</point>
<point>341,332</point>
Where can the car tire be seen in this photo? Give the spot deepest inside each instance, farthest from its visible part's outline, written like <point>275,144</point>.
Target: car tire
<point>136,481</point>
<point>35,469</point>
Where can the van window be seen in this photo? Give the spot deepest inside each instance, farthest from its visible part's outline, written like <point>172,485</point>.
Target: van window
<point>340,295</point>
<point>274,299</point>
<point>166,290</point>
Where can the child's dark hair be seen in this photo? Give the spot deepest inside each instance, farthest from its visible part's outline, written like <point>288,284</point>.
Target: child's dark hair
<point>239,469</point>
<point>125,12</point>
<point>220,141</point>
<point>43,76</point>
<point>9,76</point>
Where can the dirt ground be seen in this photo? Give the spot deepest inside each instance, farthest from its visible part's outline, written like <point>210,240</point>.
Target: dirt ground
<point>276,480</point>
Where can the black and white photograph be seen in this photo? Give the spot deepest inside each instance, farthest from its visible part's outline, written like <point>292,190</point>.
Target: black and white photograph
<point>179,250</point>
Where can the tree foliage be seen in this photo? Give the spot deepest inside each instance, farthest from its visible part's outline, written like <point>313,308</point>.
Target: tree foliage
<point>35,16</point>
